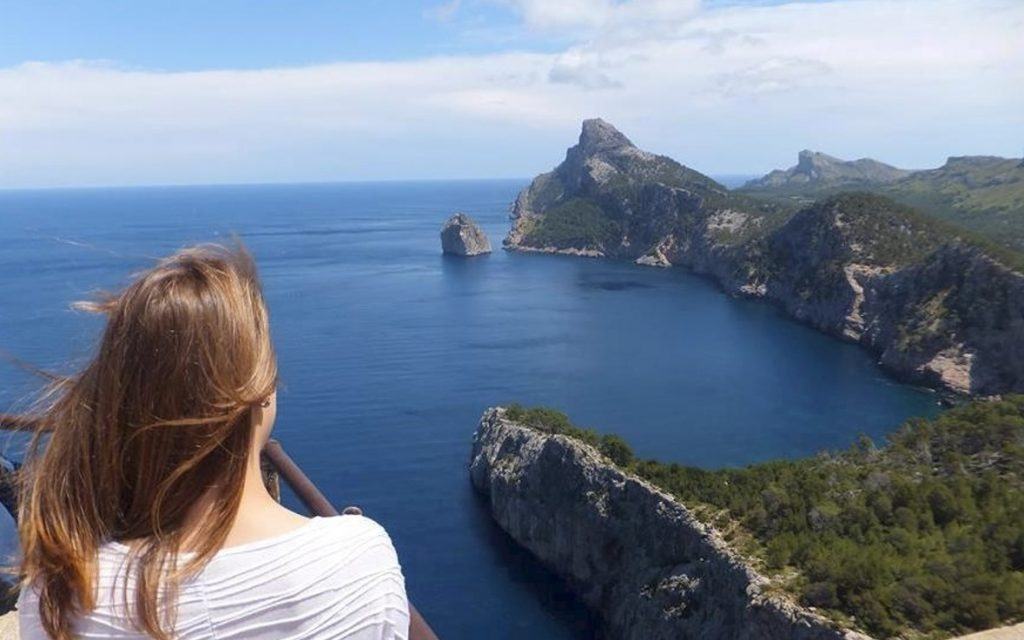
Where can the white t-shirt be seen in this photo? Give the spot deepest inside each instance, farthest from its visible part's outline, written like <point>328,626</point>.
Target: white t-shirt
<point>330,578</point>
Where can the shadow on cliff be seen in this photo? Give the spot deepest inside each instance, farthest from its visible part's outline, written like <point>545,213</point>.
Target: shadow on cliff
<point>522,568</point>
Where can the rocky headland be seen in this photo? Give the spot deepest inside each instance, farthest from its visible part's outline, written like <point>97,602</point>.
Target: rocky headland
<point>640,559</point>
<point>918,538</point>
<point>462,236</point>
<point>937,308</point>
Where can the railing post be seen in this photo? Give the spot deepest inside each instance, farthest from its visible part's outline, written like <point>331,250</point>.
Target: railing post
<point>271,478</point>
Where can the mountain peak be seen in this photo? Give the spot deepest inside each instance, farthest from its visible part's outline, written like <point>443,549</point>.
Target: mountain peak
<point>807,159</point>
<point>598,135</point>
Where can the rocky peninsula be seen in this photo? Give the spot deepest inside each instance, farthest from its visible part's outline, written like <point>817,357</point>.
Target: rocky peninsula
<point>937,308</point>
<point>918,538</point>
<point>636,556</point>
<point>462,236</point>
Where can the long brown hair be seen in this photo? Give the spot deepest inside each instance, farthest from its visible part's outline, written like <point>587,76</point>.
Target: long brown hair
<point>158,420</point>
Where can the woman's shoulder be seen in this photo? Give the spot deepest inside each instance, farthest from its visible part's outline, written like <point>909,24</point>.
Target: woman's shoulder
<point>341,555</point>
<point>352,542</point>
<point>346,529</point>
<point>357,538</point>
<point>351,524</point>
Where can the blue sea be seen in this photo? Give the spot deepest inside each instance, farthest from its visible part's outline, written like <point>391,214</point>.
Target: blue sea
<point>389,353</point>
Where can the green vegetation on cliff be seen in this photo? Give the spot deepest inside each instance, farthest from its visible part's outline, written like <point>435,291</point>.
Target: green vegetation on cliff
<point>875,230</point>
<point>552,421</point>
<point>921,537</point>
<point>576,223</point>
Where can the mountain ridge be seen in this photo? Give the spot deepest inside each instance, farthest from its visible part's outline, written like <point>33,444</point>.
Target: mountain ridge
<point>982,194</point>
<point>814,168</point>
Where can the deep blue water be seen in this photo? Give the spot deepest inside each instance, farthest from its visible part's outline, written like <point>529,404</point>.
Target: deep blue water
<point>389,352</point>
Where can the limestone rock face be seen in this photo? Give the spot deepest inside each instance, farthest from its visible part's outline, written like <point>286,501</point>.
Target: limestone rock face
<point>637,557</point>
<point>461,236</point>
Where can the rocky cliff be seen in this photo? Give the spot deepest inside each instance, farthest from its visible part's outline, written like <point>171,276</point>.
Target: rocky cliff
<point>938,312</point>
<point>936,309</point>
<point>637,557</point>
<point>815,169</point>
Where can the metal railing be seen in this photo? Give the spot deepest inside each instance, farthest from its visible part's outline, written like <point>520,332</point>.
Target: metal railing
<point>274,459</point>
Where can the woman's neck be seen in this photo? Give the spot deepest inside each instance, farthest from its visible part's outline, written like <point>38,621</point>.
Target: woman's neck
<point>259,515</point>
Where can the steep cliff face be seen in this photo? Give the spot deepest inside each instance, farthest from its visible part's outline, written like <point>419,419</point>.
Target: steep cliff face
<point>955,319</point>
<point>638,558</point>
<point>822,258</point>
<point>859,266</point>
<point>937,312</point>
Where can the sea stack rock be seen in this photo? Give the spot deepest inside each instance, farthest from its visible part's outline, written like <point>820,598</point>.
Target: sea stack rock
<point>462,236</point>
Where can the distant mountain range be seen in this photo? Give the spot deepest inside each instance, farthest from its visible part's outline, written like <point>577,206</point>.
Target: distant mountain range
<point>936,305</point>
<point>815,170</point>
<point>983,194</point>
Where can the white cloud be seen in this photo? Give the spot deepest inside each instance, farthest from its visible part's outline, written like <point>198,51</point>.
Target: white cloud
<point>582,68</point>
<point>773,75</point>
<point>544,14</point>
<point>603,15</point>
<point>736,89</point>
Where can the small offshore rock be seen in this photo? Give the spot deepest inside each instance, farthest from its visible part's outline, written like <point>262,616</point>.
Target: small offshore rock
<point>462,236</point>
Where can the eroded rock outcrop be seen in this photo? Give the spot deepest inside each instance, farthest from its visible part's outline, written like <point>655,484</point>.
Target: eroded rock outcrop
<point>935,309</point>
<point>462,236</point>
<point>640,559</point>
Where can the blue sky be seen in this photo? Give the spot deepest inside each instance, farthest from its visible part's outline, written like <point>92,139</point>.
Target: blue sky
<point>103,93</point>
<point>193,34</point>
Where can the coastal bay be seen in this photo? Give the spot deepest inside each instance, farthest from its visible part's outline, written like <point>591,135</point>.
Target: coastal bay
<point>390,351</point>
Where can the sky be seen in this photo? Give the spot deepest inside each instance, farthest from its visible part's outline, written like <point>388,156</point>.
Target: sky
<point>113,92</point>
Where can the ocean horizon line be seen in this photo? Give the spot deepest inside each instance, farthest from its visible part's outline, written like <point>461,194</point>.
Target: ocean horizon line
<point>724,178</point>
